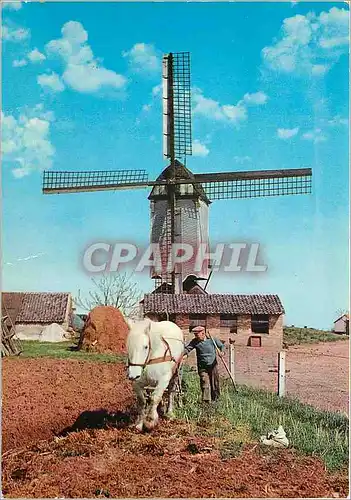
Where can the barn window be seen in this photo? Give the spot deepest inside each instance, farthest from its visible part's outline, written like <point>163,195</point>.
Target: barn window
<point>229,321</point>
<point>197,320</point>
<point>260,323</point>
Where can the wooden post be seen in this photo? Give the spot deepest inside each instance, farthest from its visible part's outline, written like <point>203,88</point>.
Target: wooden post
<point>281,373</point>
<point>231,358</point>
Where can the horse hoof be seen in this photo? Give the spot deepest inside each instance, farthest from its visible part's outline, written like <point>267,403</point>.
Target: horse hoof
<point>149,425</point>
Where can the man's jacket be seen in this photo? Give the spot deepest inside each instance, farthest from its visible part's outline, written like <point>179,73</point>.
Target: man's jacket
<point>205,351</point>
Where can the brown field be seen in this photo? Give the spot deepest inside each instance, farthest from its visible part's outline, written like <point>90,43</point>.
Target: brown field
<point>44,398</point>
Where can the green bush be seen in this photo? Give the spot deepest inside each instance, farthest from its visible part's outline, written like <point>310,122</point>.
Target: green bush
<point>293,336</point>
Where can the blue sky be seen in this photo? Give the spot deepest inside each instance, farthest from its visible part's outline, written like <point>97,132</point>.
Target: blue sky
<point>270,90</point>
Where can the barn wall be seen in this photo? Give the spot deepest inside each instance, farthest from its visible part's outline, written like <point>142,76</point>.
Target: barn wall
<point>340,326</point>
<point>272,340</point>
<point>32,331</point>
<point>29,332</point>
<point>69,311</point>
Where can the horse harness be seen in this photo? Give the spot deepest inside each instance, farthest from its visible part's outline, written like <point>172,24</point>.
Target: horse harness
<point>160,359</point>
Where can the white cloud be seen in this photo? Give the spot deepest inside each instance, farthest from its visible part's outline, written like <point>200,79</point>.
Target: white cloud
<point>210,108</point>
<point>315,135</point>
<point>199,149</point>
<point>143,58</point>
<point>19,63</point>
<point>256,99</point>
<point>83,71</point>
<point>25,259</point>
<point>51,81</point>
<point>338,120</point>
<point>319,69</point>
<point>231,113</point>
<point>25,143</point>
<point>89,78</point>
<point>38,111</point>
<point>310,44</point>
<point>35,56</point>
<point>12,5</point>
<point>14,33</point>
<point>242,159</point>
<point>156,90</point>
<point>287,133</point>
<point>147,107</point>
<point>30,257</point>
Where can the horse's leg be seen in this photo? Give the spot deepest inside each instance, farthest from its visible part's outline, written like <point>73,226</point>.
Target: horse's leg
<point>171,392</point>
<point>141,402</point>
<point>151,418</point>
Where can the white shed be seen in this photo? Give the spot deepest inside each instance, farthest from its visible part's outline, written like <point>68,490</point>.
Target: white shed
<point>341,325</point>
<point>33,312</point>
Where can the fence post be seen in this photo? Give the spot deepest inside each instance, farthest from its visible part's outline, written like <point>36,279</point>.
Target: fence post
<point>231,358</point>
<point>281,373</point>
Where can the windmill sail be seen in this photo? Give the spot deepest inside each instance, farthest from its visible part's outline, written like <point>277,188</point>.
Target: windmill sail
<point>180,199</point>
<point>177,142</point>
<point>166,107</point>
<point>253,184</point>
<point>96,180</point>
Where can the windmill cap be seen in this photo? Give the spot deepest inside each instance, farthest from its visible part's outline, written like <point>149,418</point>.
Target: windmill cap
<point>198,329</point>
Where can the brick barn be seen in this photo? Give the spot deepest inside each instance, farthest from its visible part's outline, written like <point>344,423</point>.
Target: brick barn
<point>250,320</point>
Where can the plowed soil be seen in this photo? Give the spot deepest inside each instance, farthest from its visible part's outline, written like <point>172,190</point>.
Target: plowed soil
<point>104,457</point>
<point>43,396</point>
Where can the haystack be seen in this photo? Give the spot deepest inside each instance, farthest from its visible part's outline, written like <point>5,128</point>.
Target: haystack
<point>105,331</point>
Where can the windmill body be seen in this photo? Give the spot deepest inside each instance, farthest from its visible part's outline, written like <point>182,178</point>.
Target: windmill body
<point>191,225</point>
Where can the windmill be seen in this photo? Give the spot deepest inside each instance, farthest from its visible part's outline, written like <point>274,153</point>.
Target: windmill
<point>180,199</point>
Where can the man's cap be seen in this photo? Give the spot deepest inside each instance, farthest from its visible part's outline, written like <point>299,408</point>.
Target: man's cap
<point>198,329</point>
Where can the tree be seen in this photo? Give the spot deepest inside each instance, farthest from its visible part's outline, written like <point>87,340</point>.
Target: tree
<point>112,289</point>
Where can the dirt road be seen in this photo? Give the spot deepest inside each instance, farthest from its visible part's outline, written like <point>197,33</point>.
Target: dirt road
<point>318,373</point>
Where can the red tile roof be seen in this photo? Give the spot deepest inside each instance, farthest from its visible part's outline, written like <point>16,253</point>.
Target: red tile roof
<point>35,307</point>
<point>213,304</point>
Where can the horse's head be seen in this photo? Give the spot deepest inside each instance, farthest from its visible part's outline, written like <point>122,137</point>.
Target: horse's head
<point>138,347</point>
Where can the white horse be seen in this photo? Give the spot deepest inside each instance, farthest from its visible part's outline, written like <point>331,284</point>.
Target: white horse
<point>154,352</point>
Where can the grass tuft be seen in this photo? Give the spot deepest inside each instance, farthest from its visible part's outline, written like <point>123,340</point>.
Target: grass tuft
<point>64,350</point>
<point>242,417</point>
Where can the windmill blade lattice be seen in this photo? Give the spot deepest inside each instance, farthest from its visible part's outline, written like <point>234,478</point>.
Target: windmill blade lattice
<point>182,104</point>
<point>67,182</point>
<point>234,185</point>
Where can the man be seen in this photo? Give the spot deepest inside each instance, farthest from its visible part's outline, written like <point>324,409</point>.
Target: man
<point>206,362</point>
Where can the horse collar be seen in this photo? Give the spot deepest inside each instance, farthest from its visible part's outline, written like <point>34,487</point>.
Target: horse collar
<point>160,359</point>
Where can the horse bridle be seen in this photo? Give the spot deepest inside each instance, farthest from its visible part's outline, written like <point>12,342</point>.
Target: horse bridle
<point>160,359</point>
